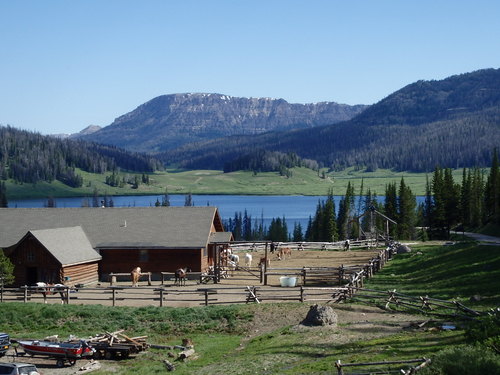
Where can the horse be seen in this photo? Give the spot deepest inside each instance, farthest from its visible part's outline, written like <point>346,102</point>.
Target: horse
<point>248,260</point>
<point>136,274</point>
<point>347,245</point>
<point>48,289</point>
<point>181,276</point>
<point>264,261</point>
<point>234,258</point>
<point>283,252</point>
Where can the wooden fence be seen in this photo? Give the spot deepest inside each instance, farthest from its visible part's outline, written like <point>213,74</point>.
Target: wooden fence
<point>385,367</point>
<point>165,296</point>
<point>248,246</point>
<point>422,304</point>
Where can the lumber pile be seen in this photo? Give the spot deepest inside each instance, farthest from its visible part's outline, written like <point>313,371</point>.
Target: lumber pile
<point>118,338</point>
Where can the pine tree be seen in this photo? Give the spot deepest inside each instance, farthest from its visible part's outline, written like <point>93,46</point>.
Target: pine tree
<point>188,200</point>
<point>492,192</point>
<point>451,195</point>
<point>165,200</point>
<point>439,222</point>
<point>346,207</point>
<point>477,202</point>
<point>466,199</point>
<point>297,233</point>
<point>329,223</point>
<point>3,195</point>
<point>406,212</point>
<point>391,205</point>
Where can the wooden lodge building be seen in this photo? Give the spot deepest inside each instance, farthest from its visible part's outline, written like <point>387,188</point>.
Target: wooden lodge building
<point>82,245</point>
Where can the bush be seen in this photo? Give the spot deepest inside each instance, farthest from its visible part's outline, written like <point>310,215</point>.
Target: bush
<point>464,360</point>
<point>485,330</point>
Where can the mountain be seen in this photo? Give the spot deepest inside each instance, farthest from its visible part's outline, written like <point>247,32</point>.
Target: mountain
<point>453,122</point>
<point>88,130</point>
<point>170,121</point>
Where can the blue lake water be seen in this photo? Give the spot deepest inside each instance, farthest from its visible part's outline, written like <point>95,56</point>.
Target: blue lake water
<point>295,209</point>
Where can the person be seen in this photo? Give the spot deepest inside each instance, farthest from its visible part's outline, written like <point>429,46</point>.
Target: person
<point>346,245</point>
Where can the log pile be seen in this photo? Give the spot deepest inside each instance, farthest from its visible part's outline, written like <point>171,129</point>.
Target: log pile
<point>118,338</point>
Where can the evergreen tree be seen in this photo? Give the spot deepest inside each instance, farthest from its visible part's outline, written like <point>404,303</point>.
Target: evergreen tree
<point>297,233</point>
<point>165,201</point>
<point>346,207</point>
<point>438,216</point>
<point>492,192</point>
<point>330,225</point>
<point>188,200</point>
<point>391,205</point>
<point>308,234</point>
<point>477,202</point>
<point>466,199</point>
<point>95,198</point>
<point>406,212</point>
<point>451,195</point>
<point>247,226</point>
<point>3,195</point>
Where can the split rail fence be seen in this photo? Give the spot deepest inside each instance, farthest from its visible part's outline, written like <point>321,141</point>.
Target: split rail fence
<point>385,367</point>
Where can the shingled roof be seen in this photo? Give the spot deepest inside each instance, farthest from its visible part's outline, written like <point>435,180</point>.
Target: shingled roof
<point>59,241</point>
<point>128,227</point>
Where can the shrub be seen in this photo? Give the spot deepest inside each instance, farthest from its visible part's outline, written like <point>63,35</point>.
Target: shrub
<point>464,360</point>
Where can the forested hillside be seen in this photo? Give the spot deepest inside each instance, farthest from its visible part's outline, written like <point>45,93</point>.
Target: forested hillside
<point>454,122</point>
<point>28,157</point>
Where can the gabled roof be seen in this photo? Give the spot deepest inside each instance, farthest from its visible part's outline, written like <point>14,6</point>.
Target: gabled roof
<point>68,245</point>
<point>151,227</point>
<point>221,237</point>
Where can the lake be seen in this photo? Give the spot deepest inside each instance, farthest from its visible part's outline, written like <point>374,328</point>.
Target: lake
<point>295,209</point>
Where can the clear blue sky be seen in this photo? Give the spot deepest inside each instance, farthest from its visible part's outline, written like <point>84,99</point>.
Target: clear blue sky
<point>68,64</point>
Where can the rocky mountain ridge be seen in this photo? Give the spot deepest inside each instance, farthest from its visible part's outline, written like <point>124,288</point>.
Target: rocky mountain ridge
<point>169,121</point>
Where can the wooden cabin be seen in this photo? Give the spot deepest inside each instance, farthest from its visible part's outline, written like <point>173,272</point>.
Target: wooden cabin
<point>55,256</point>
<point>157,239</point>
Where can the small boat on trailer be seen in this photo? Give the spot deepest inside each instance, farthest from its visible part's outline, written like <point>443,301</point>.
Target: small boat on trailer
<point>62,351</point>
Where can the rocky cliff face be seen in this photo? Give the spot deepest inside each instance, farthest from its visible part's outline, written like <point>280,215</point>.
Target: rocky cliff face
<point>170,121</point>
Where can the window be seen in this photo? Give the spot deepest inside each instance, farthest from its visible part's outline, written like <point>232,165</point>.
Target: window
<point>30,256</point>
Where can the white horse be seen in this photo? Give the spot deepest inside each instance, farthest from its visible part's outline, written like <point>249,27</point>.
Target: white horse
<point>248,260</point>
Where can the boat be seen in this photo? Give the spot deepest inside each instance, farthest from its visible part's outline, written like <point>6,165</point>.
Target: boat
<point>61,351</point>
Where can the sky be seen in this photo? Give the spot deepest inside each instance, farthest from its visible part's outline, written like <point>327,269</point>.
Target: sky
<point>65,64</point>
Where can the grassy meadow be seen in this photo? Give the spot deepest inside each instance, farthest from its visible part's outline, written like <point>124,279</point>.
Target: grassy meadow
<point>302,182</point>
<point>264,339</point>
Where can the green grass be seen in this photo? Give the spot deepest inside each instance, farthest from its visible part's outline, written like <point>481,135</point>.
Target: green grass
<point>446,272</point>
<point>303,182</point>
<point>226,341</point>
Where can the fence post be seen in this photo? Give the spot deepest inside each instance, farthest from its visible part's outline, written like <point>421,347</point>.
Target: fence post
<point>338,365</point>
<point>1,293</point>
<point>67,296</point>
<point>206,297</point>
<point>114,296</point>
<point>301,293</point>
<point>25,293</point>
<point>304,276</point>
<point>161,297</point>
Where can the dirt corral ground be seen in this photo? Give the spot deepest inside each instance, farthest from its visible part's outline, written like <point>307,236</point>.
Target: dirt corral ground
<point>230,290</point>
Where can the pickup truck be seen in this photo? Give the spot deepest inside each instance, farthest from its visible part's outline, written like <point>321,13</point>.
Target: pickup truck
<point>4,343</point>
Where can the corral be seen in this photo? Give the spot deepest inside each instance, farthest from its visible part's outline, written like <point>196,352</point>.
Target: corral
<point>236,288</point>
